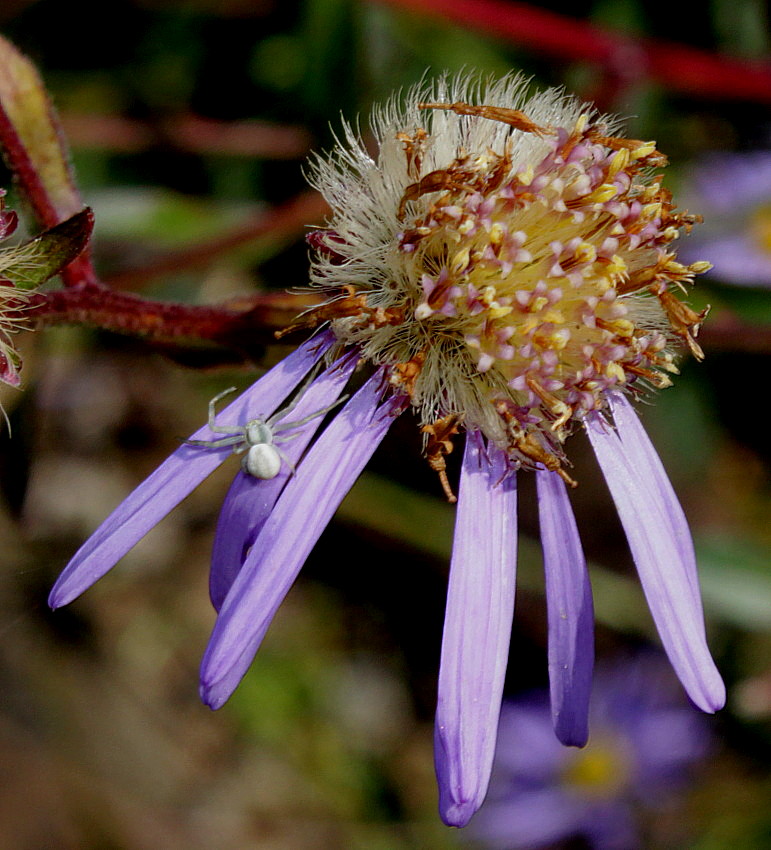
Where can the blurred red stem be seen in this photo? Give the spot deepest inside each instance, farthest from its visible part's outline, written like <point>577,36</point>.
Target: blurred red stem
<point>187,133</point>
<point>255,319</point>
<point>677,67</point>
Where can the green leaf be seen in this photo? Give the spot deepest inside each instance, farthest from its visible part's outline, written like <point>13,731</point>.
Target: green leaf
<point>34,262</point>
<point>32,141</point>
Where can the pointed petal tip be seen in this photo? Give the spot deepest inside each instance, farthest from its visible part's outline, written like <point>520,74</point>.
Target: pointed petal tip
<point>61,594</point>
<point>713,697</point>
<point>74,580</point>
<point>458,814</point>
<point>221,674</point>
<point>212,696</point>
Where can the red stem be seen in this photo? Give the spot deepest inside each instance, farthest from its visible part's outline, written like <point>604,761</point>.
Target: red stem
<point>80,272</point>
<point>244,325</point>
<point>20,163</point>
<point>186,132</point>
<point>678,67</point>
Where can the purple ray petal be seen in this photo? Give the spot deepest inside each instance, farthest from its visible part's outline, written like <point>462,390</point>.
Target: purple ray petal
<point>663,574</point>
<point>302,512</point>
<point>570,611</point>
<point>250,500</point>
<point>477,630</point>
<point>247,505</point>
<point>177,476</point>
<point>643,456</point>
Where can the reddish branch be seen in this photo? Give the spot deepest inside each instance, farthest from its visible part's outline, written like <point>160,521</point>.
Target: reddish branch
<point>676,66</point>
<point>243,325</point>
<point>25,172</point>
<point>187,133</point>
<point>35,151</point>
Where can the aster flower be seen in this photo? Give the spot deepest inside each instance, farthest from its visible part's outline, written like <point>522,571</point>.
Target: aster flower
<point>733,190</point>
<point>504,267</point>
<point>644,744</point>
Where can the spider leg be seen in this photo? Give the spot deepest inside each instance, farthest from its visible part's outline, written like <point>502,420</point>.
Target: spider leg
<point>280,414</point>
<point>286,426</point>
<point>226,429</point>
<point>213,411</point>
<point>286,460</point>
<point>215,444</point>
<point>286,438</point>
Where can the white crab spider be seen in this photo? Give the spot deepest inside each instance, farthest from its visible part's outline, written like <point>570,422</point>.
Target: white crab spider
<point>258,437</point>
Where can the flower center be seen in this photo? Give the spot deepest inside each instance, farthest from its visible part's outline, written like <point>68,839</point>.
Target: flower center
<point>509,289</point>
<point>534,270</point>
<point>601,770</point>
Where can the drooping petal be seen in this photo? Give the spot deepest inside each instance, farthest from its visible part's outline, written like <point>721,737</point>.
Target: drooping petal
<point>247,505</point>
<point>302,512</point>
<point>663,574</point>
<point>477,630</point>
<point>177,476</point>
<point>250,500</point>
<point>569,609</point>
<point>644,457</point>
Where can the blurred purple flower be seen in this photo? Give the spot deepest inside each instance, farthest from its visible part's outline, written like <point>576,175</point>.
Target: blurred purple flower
<point>645,742</point>
<point>574,325</point>
<point>733,192</point>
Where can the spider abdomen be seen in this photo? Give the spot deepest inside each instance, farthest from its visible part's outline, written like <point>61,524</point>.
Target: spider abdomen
<point>262,461</point>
